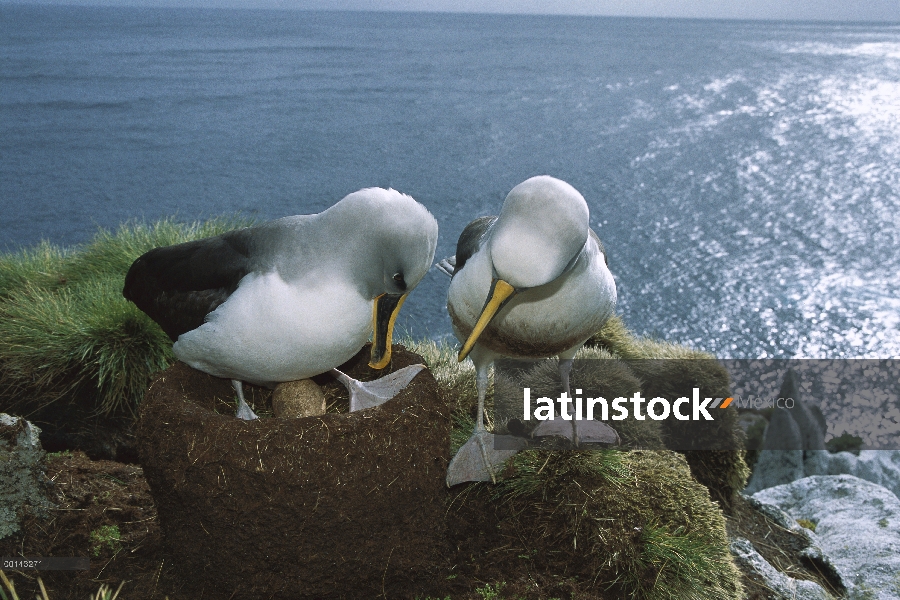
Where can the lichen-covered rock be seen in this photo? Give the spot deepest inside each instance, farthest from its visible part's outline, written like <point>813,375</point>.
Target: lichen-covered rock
<point>23,485</point>
<point>857,524</point>
<point>881,467</point>
<point>782,586</point>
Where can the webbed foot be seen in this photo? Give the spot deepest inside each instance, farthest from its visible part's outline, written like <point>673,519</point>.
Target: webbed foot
<point>366,394</point>
<point>478,460</point>
<point>243,409</point>
<point>578,432</point>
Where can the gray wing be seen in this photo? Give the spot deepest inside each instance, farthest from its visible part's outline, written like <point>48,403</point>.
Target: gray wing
<point>177,286</point>
<point>600,245</point>
<point>470,240</point>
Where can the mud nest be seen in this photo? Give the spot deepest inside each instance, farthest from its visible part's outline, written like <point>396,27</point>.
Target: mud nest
<point>338,505</point>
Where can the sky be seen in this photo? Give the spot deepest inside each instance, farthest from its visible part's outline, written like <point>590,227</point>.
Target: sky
<point>812,10</point>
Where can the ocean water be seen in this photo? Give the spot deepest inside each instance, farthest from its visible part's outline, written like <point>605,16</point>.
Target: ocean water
<point>742,175</point>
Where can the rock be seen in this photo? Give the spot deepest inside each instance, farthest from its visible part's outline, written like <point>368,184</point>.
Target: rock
<point>23,484</point>
<point>857,526</point>
<point>781,459</point>
<point>297,399</point>
<point>791,435</point>
<point>811,550</point>
<point>809,418</point>
<point>782,586</point>
<point>339,505</point>
<point>881,467</point>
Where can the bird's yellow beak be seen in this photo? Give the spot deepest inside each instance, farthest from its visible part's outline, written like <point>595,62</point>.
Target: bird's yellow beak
<point>500,293</point>
<point>384,313</point>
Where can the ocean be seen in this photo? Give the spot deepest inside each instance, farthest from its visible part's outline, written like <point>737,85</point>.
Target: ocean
<point>742,175</point>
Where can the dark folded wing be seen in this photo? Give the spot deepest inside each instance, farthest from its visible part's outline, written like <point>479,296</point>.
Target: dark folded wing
<point>177,286</point>
<point>470,240</point>
<point>600,245</point>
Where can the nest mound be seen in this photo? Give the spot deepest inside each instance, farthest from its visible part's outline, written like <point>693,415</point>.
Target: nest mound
<point>338,505</point>
<point>715,452</point>
<point>606,523</point>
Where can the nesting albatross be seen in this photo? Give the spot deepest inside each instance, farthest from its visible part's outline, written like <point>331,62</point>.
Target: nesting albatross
<point>530,283</point>
<point>292,298</point>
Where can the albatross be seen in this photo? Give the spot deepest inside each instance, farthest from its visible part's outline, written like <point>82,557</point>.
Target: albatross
<point>295,297</point>
<point>532,282</point>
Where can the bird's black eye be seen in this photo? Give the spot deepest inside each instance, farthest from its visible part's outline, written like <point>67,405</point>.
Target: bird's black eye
<point>398,279</point>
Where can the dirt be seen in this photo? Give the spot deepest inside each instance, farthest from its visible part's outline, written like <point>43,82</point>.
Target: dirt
<point>93,494</point>
<point>301,507</point>
<point>424,540</point>
<point>90,495</point>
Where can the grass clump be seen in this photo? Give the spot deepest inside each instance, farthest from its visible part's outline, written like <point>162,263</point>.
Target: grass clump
<point>636,521</point>
<point>715,453</point>
<point>67,332</point>
<point>845,443</point>
<point>106,537</point>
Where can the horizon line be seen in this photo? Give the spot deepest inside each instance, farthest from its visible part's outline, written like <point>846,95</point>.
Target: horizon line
<point>435,11</point>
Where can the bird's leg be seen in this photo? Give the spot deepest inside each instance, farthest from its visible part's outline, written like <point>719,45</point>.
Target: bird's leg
<point>577,431</point>
<point>366,394</point>
<point>479,459</point>
<point>243,409</point>
<point>565,368</point>
<point>481,383</point>
<point>584,431</point>
<point>559,427</point>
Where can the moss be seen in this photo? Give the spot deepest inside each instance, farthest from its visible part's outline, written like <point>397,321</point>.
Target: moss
<point>634,522</point>
<point>807,524</point>
<point>105,538</point>
<point>715,454</point>
<point>845,443</point>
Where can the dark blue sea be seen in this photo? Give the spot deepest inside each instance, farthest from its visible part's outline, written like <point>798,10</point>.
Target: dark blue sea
<point>744,176</point>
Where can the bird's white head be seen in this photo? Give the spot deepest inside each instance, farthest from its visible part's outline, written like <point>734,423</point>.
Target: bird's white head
<point>542,226</point>
<point>393,238</point>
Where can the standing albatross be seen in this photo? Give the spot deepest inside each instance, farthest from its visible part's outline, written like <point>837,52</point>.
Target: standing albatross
<point>295,297</point>
<point>530,283</point>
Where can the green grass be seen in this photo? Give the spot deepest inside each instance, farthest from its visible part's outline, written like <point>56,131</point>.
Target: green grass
<point>106,537</point>
<point>66,330</point>
<point>680,564</point>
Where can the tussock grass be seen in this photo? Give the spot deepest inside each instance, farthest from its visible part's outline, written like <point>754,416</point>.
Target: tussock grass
<point>670,371</point>
<point>65,329</point>
<point>539,472</point>
<point>635,523</point>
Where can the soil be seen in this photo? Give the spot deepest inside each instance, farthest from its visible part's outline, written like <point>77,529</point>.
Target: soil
<point>92,494</point>
<point>301,507</point>
<point>474,561</point>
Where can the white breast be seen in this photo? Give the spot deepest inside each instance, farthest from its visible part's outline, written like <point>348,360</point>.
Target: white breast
<point>269,331</point>
<point>556,316</point>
